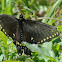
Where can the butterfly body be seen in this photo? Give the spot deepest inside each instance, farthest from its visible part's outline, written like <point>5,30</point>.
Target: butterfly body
<point>26,30</point>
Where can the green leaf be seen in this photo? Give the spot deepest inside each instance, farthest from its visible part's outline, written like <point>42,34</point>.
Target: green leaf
<point>22,58</point>
<point>11,61</point>
<point>35,48</point>
<point>29,60</point>
<point>60,28</point>
<point>1,57</point>
<point>61,58</point>
<point>3,37</point>
<point>51,12</point>
<point>43,52</point>
<point>56,40</point>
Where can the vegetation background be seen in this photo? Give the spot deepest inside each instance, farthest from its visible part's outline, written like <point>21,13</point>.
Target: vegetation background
<point>33,9</point>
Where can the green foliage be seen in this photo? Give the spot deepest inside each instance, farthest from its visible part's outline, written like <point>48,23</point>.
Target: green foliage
<point>10,61</point>
<point>32,9</point>
<point>51,13</point>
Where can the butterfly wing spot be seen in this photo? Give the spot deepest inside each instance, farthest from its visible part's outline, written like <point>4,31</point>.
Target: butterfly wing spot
<point>3,30</point>
<point>14,35</point>
<point>24,45</point>
<point>38,42</point>
<point>5,33</point>
<point>1,27</point>
<point>19,54</point>
<point>41,41</point>
<point>44,39</point>
<point>28,55</point>
<point>21,32</point>
<point>47,38</point>
<point>21,35</point>
<point>50,37</point>
<point>20,44</point>
<point>22,49</point>
<point>57,33</point>
<point>17,43</point>
<point>32,38</point>
<point>31,53</point>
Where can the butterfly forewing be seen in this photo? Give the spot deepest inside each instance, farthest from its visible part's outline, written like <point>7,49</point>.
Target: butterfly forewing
<point>8,24</point>
<point>38,32</point>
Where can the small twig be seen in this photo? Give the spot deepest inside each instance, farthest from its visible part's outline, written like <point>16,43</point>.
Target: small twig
<point>49,18</point>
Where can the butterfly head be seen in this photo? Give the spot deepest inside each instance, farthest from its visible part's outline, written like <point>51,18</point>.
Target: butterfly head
<point>21,17</point>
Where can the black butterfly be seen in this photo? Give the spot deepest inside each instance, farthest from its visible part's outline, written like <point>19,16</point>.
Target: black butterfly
<point>26,30</point>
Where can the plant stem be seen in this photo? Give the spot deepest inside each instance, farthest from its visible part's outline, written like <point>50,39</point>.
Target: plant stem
<point>11,6</point>
<point>3,4</point>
